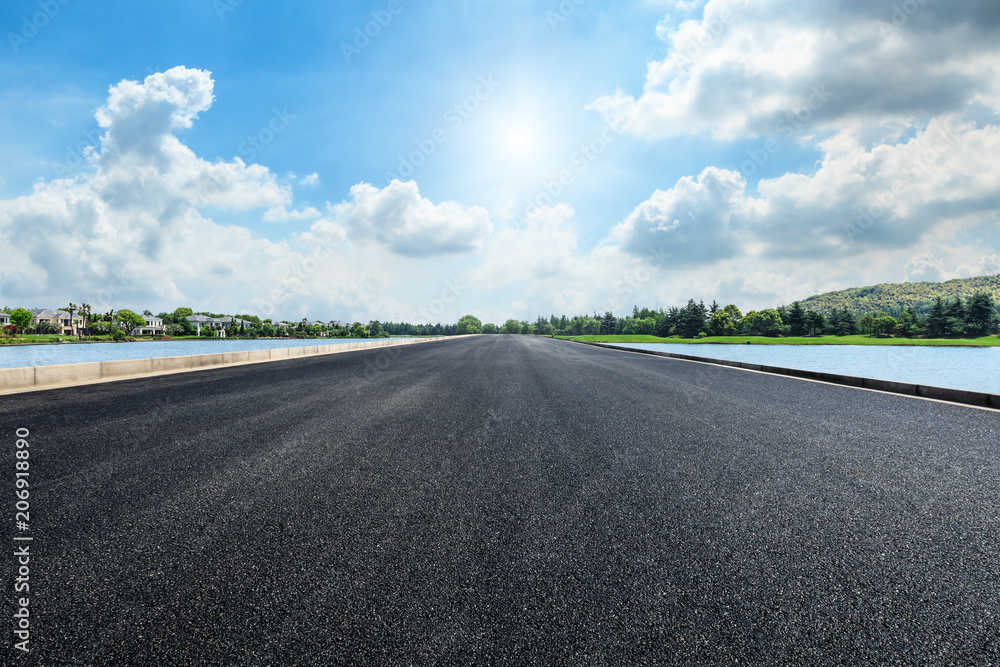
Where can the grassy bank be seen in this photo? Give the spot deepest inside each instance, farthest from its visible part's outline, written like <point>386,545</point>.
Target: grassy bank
<point>988,341</point>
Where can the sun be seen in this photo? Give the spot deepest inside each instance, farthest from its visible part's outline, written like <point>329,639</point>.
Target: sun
<point>520,140</point>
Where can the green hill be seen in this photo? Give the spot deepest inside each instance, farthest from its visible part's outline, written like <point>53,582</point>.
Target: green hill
<point>894,298</point>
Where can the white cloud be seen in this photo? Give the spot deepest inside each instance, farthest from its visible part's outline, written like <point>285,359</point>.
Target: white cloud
<point>310,180</point>
<point>134,232</point>
<point>695,221</point>
<point>398,218</point>
<point>545,246</point>
<point>763,67</point>
<point>281,214</point>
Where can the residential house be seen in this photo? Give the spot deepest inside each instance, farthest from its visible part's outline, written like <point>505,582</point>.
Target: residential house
<point>4,319</point>
<point>153,327</point>
<point>68,325</point>
<point>200,321</point>
<point>235,322</point>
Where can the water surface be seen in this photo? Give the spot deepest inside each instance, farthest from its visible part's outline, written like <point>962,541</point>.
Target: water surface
<point>970,368</point>
<point>15,356</point>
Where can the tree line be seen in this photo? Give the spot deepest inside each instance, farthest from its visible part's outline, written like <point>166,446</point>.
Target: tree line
<point>953,318</point>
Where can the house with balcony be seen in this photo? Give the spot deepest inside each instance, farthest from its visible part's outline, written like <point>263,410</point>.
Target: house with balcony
<point>200,321</point>
<point>68,325</point>
<point>153,327</point>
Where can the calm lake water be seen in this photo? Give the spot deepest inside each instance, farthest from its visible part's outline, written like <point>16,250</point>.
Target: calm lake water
<point>971,368</point>
<point>48,355</point>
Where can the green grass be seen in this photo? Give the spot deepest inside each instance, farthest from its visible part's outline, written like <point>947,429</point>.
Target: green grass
<point>804,340</point>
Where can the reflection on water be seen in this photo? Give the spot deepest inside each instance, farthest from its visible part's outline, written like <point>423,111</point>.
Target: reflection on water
<point>971,368</point>
<point>15,356</point>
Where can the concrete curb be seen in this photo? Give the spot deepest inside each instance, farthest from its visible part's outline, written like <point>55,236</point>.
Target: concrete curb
<point>975,398</point>
<point>37,378</point>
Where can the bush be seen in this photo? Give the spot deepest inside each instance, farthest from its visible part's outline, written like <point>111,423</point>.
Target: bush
<point>117,335</point>
<point>702,334</point>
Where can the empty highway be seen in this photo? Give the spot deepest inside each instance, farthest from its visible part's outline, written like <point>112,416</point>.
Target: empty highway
<point>505,500</point>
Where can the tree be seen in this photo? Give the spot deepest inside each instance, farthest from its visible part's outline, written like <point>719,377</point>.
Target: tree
<point>796,319</point>
<point>182,313</point>
<point>815,323</point>
<point>692,319</point>
<point>47,327</point>
<point>85,310</point>
<point>639,326</point>
<point>937,320</point>
<point>906,325</point>
<point>844,323</point>
<point>375,330</point>
<point>129,320</point>
<point>511,326</point>
<point>867,324</point>
<point>469,324</point>
<point>764,323</point>
<point>71,309</point>
<point>358,330</point>
<point>722,324</point>
<point>670,323</point>
<point>590,327</point>
<point>490,328</point>
<point>21,318</point>
<point>884,324</point>
<point>955,318</point>
<point>980,315</point>
<point>608,324</point>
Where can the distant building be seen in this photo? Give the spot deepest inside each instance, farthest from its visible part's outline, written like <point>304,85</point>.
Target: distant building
<point>153,327</point>
<point>68,325</point>
<point>4,319</point>
<point>200,321</point>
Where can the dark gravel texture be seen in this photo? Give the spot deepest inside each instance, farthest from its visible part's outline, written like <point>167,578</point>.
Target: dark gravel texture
<point>505,500</point>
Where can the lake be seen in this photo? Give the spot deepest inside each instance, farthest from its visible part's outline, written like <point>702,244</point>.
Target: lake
<point>970,368</point>
<point>16,356</point>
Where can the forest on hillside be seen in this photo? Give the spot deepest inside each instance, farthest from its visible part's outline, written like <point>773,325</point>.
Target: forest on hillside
<point>896,298</point>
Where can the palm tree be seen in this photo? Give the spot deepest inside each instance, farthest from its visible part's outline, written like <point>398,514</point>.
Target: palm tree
<point>71,308</point>
<point>85,311</point>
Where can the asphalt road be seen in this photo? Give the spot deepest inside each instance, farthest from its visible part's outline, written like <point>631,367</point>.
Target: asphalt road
<point>504,500</point>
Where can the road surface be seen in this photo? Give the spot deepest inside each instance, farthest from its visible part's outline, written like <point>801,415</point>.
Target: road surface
<point>505,500</point>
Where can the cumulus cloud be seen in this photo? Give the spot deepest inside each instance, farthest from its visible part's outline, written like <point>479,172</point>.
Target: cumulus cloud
<point>696,221</point>
<point>281,214</point>
<point>544,246</point>
<point>400,219</point>
<point>310,180</point>
<point>133,231</point>
<point>751,68</point>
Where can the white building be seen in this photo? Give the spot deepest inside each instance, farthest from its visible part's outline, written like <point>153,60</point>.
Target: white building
<point>153,327</point>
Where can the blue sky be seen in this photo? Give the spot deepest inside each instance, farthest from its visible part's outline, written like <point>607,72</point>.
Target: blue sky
<point>751,152</point>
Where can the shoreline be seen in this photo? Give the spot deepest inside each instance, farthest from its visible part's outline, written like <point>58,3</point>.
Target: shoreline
<point>857,340</point>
